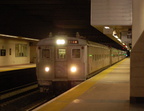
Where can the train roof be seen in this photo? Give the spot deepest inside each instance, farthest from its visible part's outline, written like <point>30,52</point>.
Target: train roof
<point>80,41</point>
<point>69,40</point>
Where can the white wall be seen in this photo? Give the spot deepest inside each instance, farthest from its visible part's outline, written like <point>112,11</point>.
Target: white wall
<point>138,20</point>
<point>6,43</point>
<point>33,54</point>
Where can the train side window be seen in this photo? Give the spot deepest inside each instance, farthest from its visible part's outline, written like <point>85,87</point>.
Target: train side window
<point>45,53</point>
<point>75,53</point>
<point>61,54</point>
<point>93,57</point>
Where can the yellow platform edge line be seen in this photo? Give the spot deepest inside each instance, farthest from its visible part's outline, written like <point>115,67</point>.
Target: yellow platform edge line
<point>61,101</point>
<point>12,69</point>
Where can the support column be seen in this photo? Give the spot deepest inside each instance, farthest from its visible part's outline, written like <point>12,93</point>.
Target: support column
<point>137,54</point>
<point>137,71</point>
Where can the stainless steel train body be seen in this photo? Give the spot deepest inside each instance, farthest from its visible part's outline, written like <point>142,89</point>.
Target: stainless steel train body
<point>71,59</point>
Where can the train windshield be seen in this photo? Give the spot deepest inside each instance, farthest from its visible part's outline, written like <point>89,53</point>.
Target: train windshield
<point>46,53</point>
<point>75,53</point>
<point>61,53</point>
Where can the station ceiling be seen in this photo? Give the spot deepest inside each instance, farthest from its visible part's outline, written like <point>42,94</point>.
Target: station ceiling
<point>37,18</point>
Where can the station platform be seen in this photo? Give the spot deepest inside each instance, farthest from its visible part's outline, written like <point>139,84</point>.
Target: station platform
<point>16,67</point>
<point>107,91</point>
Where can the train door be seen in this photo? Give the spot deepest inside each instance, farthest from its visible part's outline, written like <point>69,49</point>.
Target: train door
<point>61,63</point>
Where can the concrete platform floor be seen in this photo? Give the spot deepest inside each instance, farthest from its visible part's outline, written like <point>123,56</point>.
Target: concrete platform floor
<point>111,92</point>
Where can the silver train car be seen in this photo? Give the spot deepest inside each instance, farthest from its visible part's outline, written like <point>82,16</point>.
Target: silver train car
<point>72,60</point>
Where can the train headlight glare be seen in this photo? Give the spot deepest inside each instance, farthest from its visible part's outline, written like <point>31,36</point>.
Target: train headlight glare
<point>73,69</point>
<point>60,41</point>
<point>47,69</point>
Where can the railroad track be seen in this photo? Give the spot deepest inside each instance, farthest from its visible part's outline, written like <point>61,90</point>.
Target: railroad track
<point>27,101</point>
<point>17,90</point>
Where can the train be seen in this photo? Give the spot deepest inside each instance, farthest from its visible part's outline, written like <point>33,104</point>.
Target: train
<point>71,60</point>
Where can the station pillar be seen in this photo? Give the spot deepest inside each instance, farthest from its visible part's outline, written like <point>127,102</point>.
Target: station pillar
<point>137,53</point>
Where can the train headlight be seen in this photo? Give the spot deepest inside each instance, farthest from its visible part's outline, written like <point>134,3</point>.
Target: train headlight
<point>73,69</point>
<point>47,69</point>
<point>60,41</point>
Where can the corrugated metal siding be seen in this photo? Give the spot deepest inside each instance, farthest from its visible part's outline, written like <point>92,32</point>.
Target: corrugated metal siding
<point>111,12</point>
